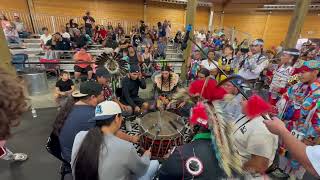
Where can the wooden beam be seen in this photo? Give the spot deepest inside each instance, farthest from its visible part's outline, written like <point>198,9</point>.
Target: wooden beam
<point>190,20</point>
<point>210,24</point>
<point>5,59</point>
<point>31,14</point>
<point>266,26</point>
<point>296,23</point>
<point>145,10</point>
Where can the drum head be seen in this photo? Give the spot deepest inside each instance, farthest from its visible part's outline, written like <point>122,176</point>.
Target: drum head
<point>149,123</point>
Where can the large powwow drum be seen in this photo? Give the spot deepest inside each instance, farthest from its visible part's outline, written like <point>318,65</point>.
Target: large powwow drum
<point>163,131</point>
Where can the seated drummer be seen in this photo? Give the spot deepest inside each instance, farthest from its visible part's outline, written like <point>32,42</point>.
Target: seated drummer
<point>165,85</point>
<point>103,78</point>
<point>197,159</point>
<point>130,90</point>
<point>178,166</point>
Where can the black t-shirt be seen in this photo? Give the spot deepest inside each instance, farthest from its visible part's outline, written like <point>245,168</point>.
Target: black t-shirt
<point>133,60</point>
<point>79,41</point>
<point>64,44</point>
<point>88,20</point>
<point>64,85</point>
<point>174,167</point>
<point>142,29</point>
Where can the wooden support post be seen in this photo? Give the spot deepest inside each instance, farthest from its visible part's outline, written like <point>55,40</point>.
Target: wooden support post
<point>266,26</point>
<point>145,11</point>
<point>221,20</point>
<point>211,12</point>
<point>296,23</point>
<point>5,59</point>
<point>190,19</point>
<point>31,14</point>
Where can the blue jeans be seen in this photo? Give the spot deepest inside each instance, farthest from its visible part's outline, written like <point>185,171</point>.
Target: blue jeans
<point>24,34</point>
<point>152,170</point>
<point>13,40</point>
<point>89,31</point>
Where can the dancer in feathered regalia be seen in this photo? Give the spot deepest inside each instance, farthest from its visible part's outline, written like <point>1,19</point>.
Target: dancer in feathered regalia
<point>211,154</point>
<point>117,67</point>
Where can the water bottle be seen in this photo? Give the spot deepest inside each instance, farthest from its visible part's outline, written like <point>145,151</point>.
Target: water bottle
<point>34,112</point>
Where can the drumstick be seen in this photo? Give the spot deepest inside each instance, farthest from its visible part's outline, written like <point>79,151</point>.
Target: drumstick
<point>157,133</point>
<point>175,127</point>
<point>144,133</point>
<point>179,122</point>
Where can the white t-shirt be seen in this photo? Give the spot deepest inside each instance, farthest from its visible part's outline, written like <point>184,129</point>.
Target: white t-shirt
<point>45,38</point>
<point>253,138</point>
<point>205,64</point>
<point>313,153</point>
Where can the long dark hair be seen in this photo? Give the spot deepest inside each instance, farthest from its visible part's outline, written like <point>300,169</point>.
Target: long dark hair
<point>62,115</point>
<point>87,160</point>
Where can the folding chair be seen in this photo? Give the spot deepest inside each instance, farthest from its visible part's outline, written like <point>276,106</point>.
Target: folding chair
<point>51,68</point>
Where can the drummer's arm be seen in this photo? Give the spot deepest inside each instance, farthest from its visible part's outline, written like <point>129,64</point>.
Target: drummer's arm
<point>120,134</point>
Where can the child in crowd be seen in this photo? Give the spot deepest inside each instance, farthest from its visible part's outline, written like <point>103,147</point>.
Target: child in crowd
<point>225,62</point>
<point>161,51</point>
<point>125,57</point>
<point>64,88</point>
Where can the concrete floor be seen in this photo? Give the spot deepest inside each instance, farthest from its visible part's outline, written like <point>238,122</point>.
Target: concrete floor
<point>30,137</point>
<point>47,100</point>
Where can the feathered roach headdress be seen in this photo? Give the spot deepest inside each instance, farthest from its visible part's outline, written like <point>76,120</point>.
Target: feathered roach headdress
<point>208,113</point>
<point>114,64</point>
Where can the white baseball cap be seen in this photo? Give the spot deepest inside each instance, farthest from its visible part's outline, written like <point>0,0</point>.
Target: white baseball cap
<point>106,110</point>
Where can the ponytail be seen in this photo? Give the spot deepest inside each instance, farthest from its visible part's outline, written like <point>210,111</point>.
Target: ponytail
<point>86,164</point>
<point>87,160</point>
<point>62,116</point>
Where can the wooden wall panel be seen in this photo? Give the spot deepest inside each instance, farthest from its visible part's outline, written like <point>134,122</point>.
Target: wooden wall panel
<point>122,10</point>
<point>158,12</point>
<point>202,18</point>
<point>276,30</point>
<point>311,27</point>
<point>14,5</point>
<point>252,24</point>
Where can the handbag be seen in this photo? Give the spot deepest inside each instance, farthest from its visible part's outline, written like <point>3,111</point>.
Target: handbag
<point>53,147</point>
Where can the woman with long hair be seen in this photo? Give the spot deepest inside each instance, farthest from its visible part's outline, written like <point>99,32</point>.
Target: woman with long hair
<point>165,85</point>
<point>147,65</point>
<point>99,154</point>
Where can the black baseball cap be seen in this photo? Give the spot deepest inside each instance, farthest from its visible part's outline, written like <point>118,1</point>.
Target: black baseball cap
<point>134,69</point>
<point>88,88</point>
<point>205,72</point>
<point>102,72</point>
